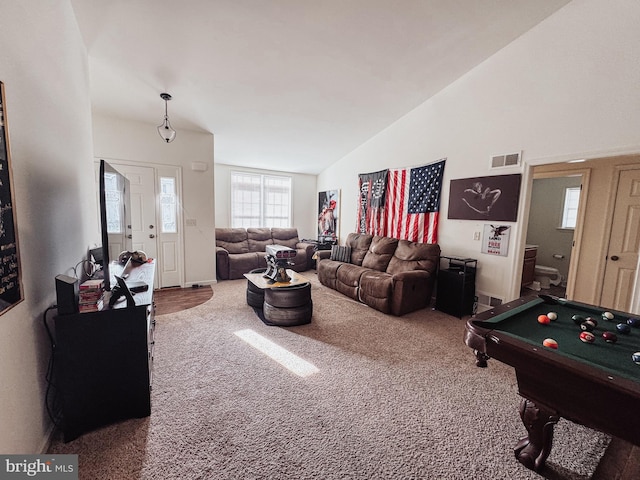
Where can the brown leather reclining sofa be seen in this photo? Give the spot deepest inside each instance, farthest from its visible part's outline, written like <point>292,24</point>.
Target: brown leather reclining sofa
<point>240,250</point>
<point>393,276</point>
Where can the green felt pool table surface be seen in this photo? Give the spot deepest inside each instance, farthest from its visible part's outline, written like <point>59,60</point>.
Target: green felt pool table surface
<point>522,322</point>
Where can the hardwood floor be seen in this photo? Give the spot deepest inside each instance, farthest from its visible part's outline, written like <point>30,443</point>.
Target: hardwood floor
<point>170,300</point>
<point>620,462</point>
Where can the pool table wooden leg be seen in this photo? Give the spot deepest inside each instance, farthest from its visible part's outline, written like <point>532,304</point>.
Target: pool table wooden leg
<point>532,451</point>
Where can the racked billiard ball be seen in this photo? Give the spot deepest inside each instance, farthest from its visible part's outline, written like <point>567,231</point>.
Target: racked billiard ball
<point>634,322</point>
<point>592,320</point>
<point>551,343</point>
<point>636,357</point>
<point>553,316</point>
<point>578,319</point>
<point>609,337</point>
<point>587,337</point>
<point>544,319</point>
<point>587,326</point>
<point>623,328</point>
<point>607,316</point>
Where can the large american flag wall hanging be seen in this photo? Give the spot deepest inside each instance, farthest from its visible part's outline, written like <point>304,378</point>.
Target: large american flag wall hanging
<point>401,203</point>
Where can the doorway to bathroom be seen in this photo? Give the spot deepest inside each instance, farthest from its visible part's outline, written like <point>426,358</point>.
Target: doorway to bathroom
<point>553,220</point>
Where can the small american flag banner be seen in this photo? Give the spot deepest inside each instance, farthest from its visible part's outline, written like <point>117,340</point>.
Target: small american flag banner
<point>413,202</point>
<point>371,206</point>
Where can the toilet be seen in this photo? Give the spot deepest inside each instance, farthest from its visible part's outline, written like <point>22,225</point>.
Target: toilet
<point>547,276</point>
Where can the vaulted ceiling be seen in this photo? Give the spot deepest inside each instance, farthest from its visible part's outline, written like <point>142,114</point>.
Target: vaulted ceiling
<point>290,85</point>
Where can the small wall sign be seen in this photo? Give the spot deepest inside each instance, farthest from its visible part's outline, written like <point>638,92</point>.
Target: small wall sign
<point>496,239</point>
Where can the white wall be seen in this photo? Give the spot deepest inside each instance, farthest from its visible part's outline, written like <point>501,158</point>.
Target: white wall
<point>44,68</point>
<point>129,141</point>
<point>305,198</point>
<point>566,89</point>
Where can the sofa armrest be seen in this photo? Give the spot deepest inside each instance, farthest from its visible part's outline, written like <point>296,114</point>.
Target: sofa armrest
<point>322,255</point>
<point>412,276</point>
<point>310,249</point>
<point>222,263</point>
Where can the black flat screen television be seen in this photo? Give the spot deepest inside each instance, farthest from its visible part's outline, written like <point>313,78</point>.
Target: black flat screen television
<point>115,218</point>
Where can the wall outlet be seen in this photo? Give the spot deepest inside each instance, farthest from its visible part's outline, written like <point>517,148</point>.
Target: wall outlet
<point>476,235</point>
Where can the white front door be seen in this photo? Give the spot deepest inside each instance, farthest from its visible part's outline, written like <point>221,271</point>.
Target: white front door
<point>155,218</point>
<point>143,208</point>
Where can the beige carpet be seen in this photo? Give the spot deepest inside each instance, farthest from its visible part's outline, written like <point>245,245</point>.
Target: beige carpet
<point>393,398</point>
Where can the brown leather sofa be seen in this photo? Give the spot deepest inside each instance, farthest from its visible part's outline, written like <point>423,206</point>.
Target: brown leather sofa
<point>240,250</point>
<point>393,276</point>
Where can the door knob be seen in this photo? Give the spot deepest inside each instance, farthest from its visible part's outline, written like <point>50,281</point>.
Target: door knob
<point>151,235</point>
<point>615,258</point>
<point>150,226</point>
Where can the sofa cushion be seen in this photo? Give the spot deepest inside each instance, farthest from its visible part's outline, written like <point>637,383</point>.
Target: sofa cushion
<point>359,243</point>
<point>287,237</point>
<point>242,263</point>
<point>258,239</point>
<point>340,253</point>
<point>234,240</point>
<point>414,256</point>
<point>380,253</point>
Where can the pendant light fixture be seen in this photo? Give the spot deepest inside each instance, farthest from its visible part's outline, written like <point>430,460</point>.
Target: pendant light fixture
<point>165,130</point>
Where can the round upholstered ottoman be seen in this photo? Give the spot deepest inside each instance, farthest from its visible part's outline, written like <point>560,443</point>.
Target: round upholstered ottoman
<point>255,294</point>
<point>288,306</point>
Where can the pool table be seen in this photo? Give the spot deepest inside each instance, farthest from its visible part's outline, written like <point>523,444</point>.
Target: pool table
<point>594,384</point>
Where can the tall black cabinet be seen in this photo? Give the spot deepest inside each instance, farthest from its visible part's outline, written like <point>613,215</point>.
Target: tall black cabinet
<point>456,287</point>
<point>104,361</point>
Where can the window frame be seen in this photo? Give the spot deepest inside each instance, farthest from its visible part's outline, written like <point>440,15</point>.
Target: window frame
<point>262,192</point>
<point>568,209</point>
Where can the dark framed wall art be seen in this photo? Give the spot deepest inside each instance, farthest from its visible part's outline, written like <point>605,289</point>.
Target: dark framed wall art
<point>485,198</point>
<point>10,274</point>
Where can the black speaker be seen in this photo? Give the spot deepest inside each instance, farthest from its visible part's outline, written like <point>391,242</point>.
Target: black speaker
<point>67,294</point>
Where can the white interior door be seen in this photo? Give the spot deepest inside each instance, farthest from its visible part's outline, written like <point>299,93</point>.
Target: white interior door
<point>624,244</point>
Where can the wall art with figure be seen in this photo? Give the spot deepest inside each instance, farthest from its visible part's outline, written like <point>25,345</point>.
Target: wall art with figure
<point>485,198</point>
<point>328,214</point>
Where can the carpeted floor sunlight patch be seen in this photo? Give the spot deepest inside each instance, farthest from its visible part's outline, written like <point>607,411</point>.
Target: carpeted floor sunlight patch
<point>390,398</point>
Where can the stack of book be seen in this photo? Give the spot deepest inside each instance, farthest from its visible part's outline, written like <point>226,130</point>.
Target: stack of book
<point>91,296</point>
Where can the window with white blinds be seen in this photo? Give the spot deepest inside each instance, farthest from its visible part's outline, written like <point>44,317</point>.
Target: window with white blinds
<point>570,207</point>
<point>260,200</point>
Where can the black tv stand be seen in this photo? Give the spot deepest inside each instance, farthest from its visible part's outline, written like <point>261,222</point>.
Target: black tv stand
<point>104,360</point>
